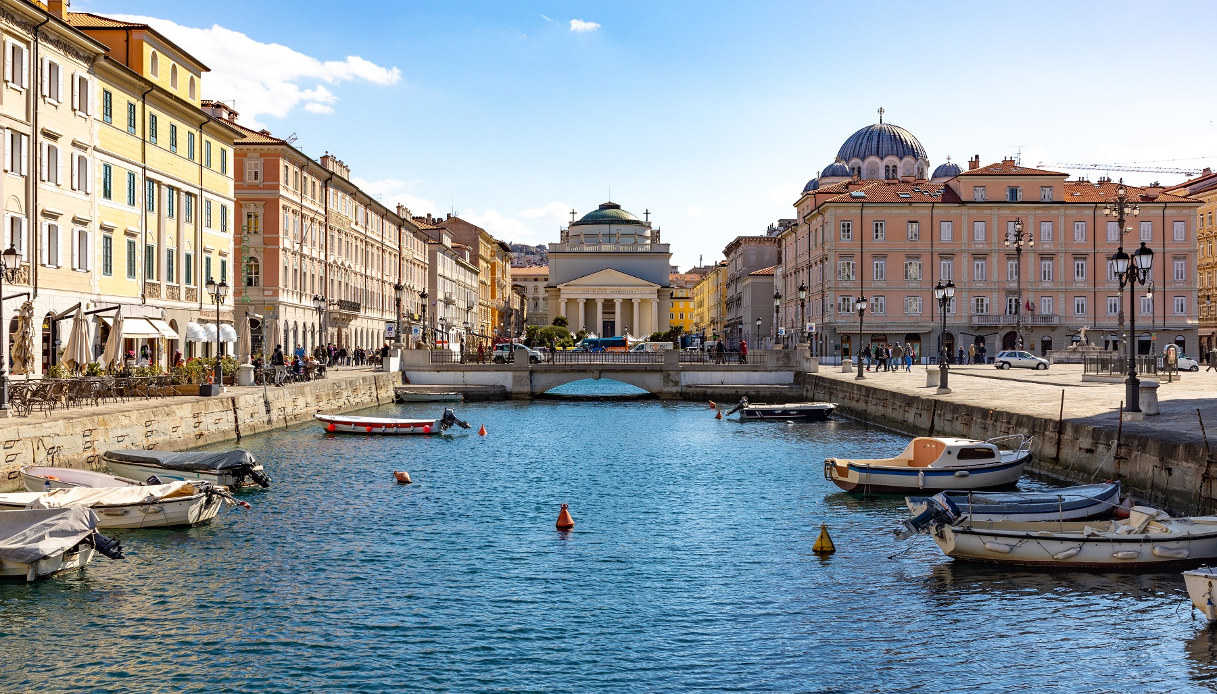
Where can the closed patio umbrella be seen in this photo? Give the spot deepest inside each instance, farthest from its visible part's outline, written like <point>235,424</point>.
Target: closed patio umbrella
<point>23,341</point>
<point>76,354</point>
<point>112,355</point>
<point>243,342</point>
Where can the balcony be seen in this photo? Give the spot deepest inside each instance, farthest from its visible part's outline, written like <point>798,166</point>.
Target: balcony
<point>1029,319</point>
<point>347,306</point>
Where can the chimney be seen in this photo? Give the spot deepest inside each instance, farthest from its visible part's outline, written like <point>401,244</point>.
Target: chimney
<point>974,162</point>
<point>1008,160</point>
<point>59,8</point>
<point>1207,171</point>
<point>403,211</point>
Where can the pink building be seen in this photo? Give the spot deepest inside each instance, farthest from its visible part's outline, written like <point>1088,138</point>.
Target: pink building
<point>871,225</point>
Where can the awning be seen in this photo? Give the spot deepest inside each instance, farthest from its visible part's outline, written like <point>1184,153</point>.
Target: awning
<point>227,334</point>
<point>166,332</point>
<point>195,332</point>
<point>210,330</point>
<point>135,328</point>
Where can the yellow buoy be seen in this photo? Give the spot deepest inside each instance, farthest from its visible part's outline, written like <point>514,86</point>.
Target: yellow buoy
<point>823,543</point>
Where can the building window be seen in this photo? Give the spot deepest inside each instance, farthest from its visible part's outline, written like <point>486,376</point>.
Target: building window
<point>979,266</point>
<point>82,258</point>
<point>152,128</point>
<point>889,171</point>
<point>845,304</point>
<point>912,305</point>
<point>878,304</point>
<point>49,169</point>
<point>49,251</point>
<point>207,214</point>
<point>190,144</point>
<point>912,269</point>
<point>224,218</point>
<point>131,188</point>
<point>131,253</point>
<point>51,80</point>
<point>978,231</point>
<point>879,270</point>
<point>1079,231</point>
<point>1046,265</point>
<point>946,231</point>
<point>170,201</point>
<point>150,196</point>
<point>845,270</point>
<point>207,153</point>
<point>1046,232</point>
<point>1113,231</point>
<point>173,76</point>
<point>170,256</point>
<point>1180,305</point>
<point>17,144</point>
<point>914,231</point>
<point>1014,194</point>
<point>192,88</point>
<point>131,117</point>
<point>253,170</point>
<point>107,182</point>
<point>173,137</point>
<point>223,269</point>
<point>946,267</point>
<point>1147,305</point>
<point>1079,305</point>
<point>980,305</point>
<point>107,254</point>
<point>880,230</point>
<point>188,268</point>
<point>207,269</point>
<point>15,70</point>
<point>1147,231</point>
<point>188,208</point>
<point>978,193</point>
<point>155,61</point>
<point>1180,230</point>
<point>1045,193</point>
<point>223,160</point>
<point>1180,269</point>
<point>1079,269</point>
<point>150,261</point>
<point>1011,269</point>
<point>1011,305</point>
<point>847,231</point>
<point>107,106</point>
<point>1046,305</point>
<point>1113,305</point>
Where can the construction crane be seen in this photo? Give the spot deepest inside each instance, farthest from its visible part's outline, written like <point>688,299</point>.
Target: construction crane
<point>1125,167</point>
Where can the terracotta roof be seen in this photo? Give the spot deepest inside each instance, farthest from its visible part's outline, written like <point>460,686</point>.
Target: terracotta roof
<point>1207,177</point>
<point>895,191</point>
<point>254,137</point>
<point>683,279</point>
<point>764,272</point>
<point>1086,192</point>
<point>88,20</point>
<point>1007,167</point>
<point>530,271</point>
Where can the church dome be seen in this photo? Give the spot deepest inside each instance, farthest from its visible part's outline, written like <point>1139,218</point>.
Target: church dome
<point>836,169</point>
<point>608,213</point>
<point>811,185</point>
<point>947,170</point>
<point>881,140</point>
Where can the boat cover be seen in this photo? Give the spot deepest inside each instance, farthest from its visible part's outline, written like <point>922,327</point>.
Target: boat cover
<point>1046,501</point>
<point>100,496</point>
<point>28,536</point>
<point>198,460</point>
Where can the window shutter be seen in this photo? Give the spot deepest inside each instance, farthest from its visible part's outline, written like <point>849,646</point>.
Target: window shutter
<point>88,96</point>
<point>85,243</point>
<point>9,62</point>
<point>25,68</point>
<point>43,156</point>
<point>76,250</point>
<point>44,244</point>
<point>75,93</point>
<point>59,85</point>
<point>87,171</point>
<point>58,166</point>
<point>8,159</point>
<point>75,178</point>
<point>25,147</point>
<point>43,77</point>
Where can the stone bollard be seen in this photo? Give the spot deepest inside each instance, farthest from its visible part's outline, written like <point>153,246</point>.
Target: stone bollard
<point>933,376</point>
<point>847,366</point>
<point>245,374</point>
<point>1149,397</point>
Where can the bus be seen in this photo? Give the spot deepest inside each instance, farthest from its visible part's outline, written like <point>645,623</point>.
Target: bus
<point>603,344</point>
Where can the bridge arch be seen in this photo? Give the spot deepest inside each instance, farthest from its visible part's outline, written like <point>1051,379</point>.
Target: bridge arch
<point>650,381</point>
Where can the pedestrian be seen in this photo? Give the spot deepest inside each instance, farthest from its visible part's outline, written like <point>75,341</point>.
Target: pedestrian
<point>743,351</point>
<point>981,351</point>
<point>1212,360</point>
<point>898,355</point>
<point>972,353</point>
<point>960,357</point>
<point>909,355</point>
<point>276,360</point>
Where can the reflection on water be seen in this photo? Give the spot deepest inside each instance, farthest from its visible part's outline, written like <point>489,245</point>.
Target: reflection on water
<point>690,567</point>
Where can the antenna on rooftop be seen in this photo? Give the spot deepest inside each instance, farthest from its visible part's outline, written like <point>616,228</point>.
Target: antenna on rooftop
<point>291,138</point>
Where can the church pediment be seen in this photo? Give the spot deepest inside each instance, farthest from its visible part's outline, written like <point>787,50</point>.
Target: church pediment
<point>608,277</point>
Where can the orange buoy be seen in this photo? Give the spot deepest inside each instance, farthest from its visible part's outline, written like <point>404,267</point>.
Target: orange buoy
<point>402,477</point>
<point>426,428</point>
<point>368,429</point>
<point>713,405</point>
<point>718,415</point>
<point>330,427</point>
<point>565,522</point>
<point>482,430</point>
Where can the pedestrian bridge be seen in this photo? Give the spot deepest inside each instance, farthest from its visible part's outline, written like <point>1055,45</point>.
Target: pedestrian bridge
<point>669,374</point>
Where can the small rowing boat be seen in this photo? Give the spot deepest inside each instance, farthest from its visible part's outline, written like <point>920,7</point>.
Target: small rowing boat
<point>151,506</point>
<point>934,463</point>
<point>398,426</point>
<point>1202,589</point>
<point>414,396</point>
<point>787,412</point>
<point>1066,503</point>
<point>39,542</point>
<point>43,479</point>
<point>233,469</point>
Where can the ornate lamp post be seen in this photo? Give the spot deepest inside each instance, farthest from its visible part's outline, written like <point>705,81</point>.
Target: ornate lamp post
<point>1018,239</point>
<point>443,328</point>
<point>1122,208</point>
<point>860,304</point>
<point>1130,274</point>
<point>943,293</point>
<point>10,263</point>
<point>802,306</point>
<point>423,298</point>
<point>399,292</point>
<point>777,305</point>
<point>218,292</point>
<point>758,332</point>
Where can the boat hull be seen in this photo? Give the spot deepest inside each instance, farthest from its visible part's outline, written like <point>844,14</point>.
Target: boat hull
<point>429,397</point>
<point>873,479</point>
<point>167,513</point>
<point>794,412</point>
<point>379,425</point>
<point>1131,552</point>
<point>142,471</point>
<point>41,479</point>
<point>1073,503</point>
<point>75,558</point>
<point>1202,589</point>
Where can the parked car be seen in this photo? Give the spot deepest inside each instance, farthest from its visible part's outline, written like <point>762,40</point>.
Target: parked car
<point>1019,358</point>
<point>651,347</point>
<point>506,352</point>
<point>1186,363</point>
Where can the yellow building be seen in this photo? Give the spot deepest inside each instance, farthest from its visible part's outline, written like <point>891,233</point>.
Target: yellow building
<point>1204,189</point>
<point>163,179</point>
<point>710,302</point>
<point>682,310</point>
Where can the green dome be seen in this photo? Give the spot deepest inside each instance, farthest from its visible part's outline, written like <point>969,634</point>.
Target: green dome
<point>608,213</point>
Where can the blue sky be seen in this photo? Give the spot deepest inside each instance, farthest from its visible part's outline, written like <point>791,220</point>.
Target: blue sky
<point>711,114</point>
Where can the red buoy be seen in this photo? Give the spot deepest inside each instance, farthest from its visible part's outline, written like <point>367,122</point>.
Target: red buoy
<point>718,415</point>
<point>426,428</point>
<point>713,405</point>
<point>482,430</point>
<point>330,427</point>
<point>402,477</point>
<point>565,522</point>
<point>368,429</point>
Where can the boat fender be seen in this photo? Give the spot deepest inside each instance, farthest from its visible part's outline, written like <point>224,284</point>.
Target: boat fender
<point>368,429</point>
<point>998,547</point>
<point>921,479</point>
<point>426,428</point>
<point>1125,554</point>
<point>961,473</point>
<point>331,428</point>
<point>1068,553</point>
<point>1171,552</point>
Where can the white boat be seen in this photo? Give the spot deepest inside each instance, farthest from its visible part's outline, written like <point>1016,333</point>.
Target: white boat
<point>1148,538</point>
<point>43,479</point>
<point>786,412</point>
<point>151,506</point>
<point>935,463</point>
<point>1202,589</point>
<point>39,542</point>
<point>233,469</point>
<point>413,396</point>
<point>1065,503</point>
<point>349,424</point>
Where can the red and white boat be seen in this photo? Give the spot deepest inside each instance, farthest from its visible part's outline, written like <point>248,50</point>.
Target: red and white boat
<point>348,424</point>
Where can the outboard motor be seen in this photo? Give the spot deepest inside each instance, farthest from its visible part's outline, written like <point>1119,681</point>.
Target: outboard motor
<point>450,418</point>
<point>939,510</point>
<point>108,546</point>
<point>743,402</point>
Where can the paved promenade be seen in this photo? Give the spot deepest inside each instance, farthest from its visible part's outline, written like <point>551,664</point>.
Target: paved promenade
<point>1038,393</point>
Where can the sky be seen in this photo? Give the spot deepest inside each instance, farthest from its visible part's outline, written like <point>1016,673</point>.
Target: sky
<point>712,115</point>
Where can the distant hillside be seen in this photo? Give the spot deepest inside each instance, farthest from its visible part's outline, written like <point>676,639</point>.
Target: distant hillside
<point>529,256</point>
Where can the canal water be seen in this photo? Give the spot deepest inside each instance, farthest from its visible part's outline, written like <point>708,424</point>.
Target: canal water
<point>689,568</point>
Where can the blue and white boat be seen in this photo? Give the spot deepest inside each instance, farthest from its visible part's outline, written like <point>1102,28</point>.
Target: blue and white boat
<point>1066,503</point>
<point>935,464</point>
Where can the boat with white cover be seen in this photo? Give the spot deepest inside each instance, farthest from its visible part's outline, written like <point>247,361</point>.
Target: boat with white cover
<point>1148,538</point>
<point>935,463</point>
<point>150,506</point>
<point>233,469</point>
<point>785,412</point>
<point>39,542</point>
<point>41,479</point>
<point>398,426</point>
<point>1202,589</point>
<point>419,396</point>
<point>1066,503</point>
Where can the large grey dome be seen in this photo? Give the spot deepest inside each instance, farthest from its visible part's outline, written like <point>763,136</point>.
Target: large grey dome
<point>838,169</point>
<point>811,185</point>
<point>881,140</point>
<point>947,170</point>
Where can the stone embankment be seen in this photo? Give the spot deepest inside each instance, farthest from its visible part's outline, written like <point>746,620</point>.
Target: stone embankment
<point>78,437</point>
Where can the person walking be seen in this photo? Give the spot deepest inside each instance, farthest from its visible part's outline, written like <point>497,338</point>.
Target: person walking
<point>1212,360</point>
<point>743,351</point>
<point>972,353</point>
<point>909,355</point>
<point>276,360</point>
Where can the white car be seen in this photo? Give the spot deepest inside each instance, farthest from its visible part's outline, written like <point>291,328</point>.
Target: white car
<point>1186,363</point>
<point>1019,358</point>
<point>504,353</point>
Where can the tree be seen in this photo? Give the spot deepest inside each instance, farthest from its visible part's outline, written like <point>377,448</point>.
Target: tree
<point>560,321</point>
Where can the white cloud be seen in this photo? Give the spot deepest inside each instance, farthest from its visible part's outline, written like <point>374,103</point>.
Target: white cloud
<point>391,191</point>
<point>547,19</point>
<point>580,26</point>
<point>531,226</point>
<point>267,79</point>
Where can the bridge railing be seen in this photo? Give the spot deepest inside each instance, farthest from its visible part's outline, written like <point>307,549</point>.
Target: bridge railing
<point>568,357</point>
<point>712,357</point>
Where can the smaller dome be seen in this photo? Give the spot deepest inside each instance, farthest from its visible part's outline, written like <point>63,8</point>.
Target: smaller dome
<point>811,185</point>
<point>837,169</point>
<point>947,170</point>
<point>608,213</point>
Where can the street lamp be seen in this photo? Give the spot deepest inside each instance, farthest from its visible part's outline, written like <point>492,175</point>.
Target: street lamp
<point>1121,208</point>
<point>1018,238</point>
<point>399,292</point>
<point>218,293</point>
<point>1130,274</point>
<point>443,327</point>
<point>10,262</point>
<point>777,304</point>
<point>423,298</point>
<point>860,304</point>
<point>802,307</point>
<point>944,293</point>
<point>758,331</point>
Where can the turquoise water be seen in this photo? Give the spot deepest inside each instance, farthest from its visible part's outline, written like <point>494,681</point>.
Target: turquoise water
<point>689,568</point>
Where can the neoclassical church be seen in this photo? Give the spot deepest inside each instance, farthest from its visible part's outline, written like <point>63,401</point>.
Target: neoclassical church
<point>609,274</point>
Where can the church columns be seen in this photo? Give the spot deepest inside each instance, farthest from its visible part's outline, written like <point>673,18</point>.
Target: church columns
<point>579,314</point>
<point>637,317</point>
<point>598,326</point>
<point>655,314</point>
<point>617,324</point>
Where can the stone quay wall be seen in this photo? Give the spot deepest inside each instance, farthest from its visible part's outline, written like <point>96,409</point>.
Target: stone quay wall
<point>67,439</point>
<point>1175,475</point>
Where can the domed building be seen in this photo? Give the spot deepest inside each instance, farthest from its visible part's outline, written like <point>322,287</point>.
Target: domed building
<point>610,275</point>
<point>884,150</point>
<point>945,171</point>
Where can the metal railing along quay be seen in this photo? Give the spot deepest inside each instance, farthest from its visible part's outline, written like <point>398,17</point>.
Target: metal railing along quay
<point>1115,365</point>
